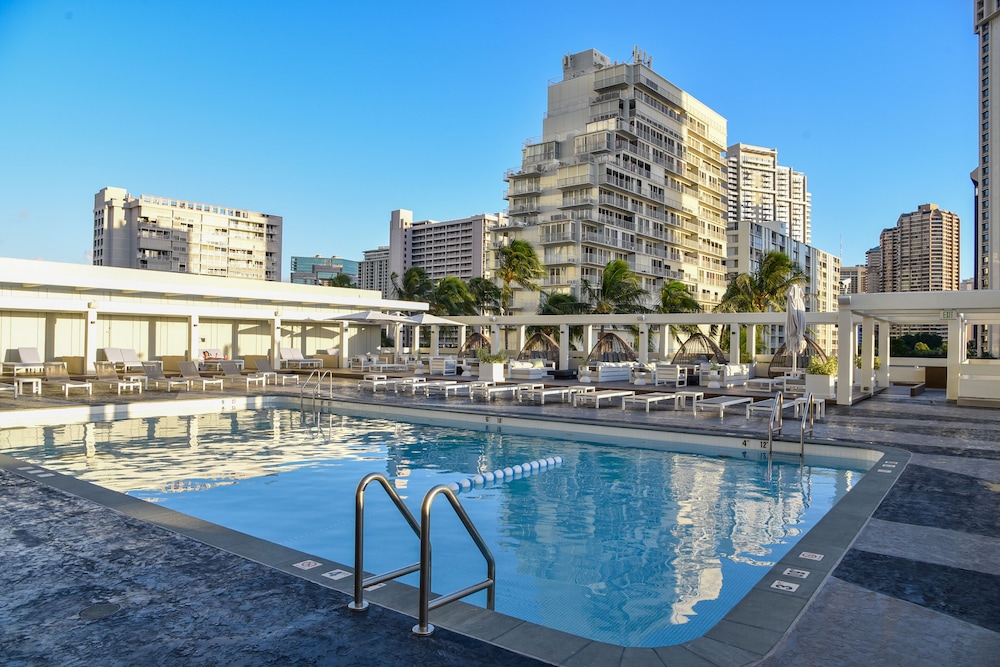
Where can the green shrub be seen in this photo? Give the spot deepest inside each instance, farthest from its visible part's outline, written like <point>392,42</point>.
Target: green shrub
<point>817,367</point>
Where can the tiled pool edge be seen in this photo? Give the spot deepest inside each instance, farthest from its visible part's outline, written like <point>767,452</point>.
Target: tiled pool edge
<point>748,633</point>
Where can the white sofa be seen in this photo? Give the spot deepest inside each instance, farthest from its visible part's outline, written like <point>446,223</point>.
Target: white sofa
<point>443,366</point>
<point>611,371</point>
<point>535,369</point>
<point>730,375</point>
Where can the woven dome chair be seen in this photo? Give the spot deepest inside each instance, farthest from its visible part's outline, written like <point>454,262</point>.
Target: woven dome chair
<point>539,346</point>
<point>611,347</point>
<point>781,363</point>
<point>699,349</point>
<point>472,345</point>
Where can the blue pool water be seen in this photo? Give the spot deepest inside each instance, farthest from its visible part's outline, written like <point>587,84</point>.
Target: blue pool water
<point>636,547</point>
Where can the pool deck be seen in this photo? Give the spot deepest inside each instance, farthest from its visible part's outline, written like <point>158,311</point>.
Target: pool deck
<point>86,580</point>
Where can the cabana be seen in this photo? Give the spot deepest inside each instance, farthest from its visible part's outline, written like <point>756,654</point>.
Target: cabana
<point>610,360</point>
<point>472,344</point>
<point>540,346</point>
<point>699,349</point>
<point>781,363</point>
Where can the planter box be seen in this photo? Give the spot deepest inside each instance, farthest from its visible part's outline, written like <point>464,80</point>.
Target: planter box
<point>821,386</point>
<point>491,372</point>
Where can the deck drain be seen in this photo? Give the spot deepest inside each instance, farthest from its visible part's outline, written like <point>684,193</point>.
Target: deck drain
<point>97,611</point>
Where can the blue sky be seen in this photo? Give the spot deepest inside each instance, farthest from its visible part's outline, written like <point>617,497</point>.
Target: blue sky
<point>332,114</point>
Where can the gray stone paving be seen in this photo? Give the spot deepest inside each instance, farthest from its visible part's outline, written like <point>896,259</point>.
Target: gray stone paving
<point>919,587</point>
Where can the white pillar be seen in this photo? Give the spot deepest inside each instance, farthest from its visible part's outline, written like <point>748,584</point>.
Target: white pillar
<point>883,354</point>
<point>435,340</point>
<point>846,342</point>
<point>275,341</point>
<point>957,333</point>
<point>734,344</point>
<point>563,347</point>
<point>90,340</point>
<point>495,342</point>
<point>867,354</point>
<point>194,342</point>
<point>752,344</point>
<point>588,338</point>
<point>344,353</point>
<point>643,343</point>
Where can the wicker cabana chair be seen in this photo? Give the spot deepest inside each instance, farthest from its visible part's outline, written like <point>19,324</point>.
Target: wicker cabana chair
<point>472,345</point>
<point>612,348</point>
<point>781,363</point>
<point>699,349</point>
<point>539,346</point>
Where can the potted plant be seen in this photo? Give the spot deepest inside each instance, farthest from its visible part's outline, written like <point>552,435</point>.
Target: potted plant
<point>821,377</point>
<point>491,365</point>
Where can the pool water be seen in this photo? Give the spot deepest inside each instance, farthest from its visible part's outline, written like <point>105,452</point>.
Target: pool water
<point>630,546</point>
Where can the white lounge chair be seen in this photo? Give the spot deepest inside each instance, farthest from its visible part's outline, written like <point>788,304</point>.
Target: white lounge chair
<point>29,361</point>
<point>766,406</point>
<point>648,399</point>
<point>722,402</point>
<point>57,374</point>
<point>231,374</point>
<point>155,377</point>
<point>106,375</point>
<point>292,358</point>
<point>596,397</point>
<point>189,372</point>
<point>9,387</point>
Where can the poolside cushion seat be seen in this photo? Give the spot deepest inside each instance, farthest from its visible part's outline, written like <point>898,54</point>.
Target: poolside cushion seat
<point>56,374</point>
<point>106,375</point>
<point>232,375</point>
<point>155,377</point>
<point>189,372</point>
<point>723,402</point>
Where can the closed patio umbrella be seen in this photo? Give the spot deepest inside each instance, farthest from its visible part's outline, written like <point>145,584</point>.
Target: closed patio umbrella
<point>795,323</point>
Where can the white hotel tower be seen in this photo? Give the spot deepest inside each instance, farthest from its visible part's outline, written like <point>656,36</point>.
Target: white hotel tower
<point>628,166</point>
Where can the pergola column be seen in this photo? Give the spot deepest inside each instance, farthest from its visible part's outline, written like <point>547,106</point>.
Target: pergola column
<point>194,343</point>
<point>883,353</point>
<point>734,343</point>
<point>563,347</point>
<point>275,340</point>
<point>643,342</point>
<point>956,353</point>
<point>90,338</point>
<point>846,342</point>
<point>867,353</point>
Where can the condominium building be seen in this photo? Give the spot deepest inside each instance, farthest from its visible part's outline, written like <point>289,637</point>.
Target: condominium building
<point>169,234</point>
<point>373,271</point>
<point>629,166</point>
<point>749,242</point>
<point>919,254</point>
<point>854,279</point>
<point>761,190</point>
<point>456,248</point>
<point>986,255</point>
<point>319,270</point>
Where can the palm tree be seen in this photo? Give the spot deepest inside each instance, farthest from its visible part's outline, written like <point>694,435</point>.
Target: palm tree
<point>517,263</point>
<point>486,295</point>
<point>620,290</point>
<point>415,285</point>
<point>560,303</point>
<point>675,297</point>
<point>762,291</point>
<point>342,280</point>
<point>452,297</point>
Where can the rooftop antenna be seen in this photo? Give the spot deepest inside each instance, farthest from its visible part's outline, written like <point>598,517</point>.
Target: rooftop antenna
<point>640,57</point>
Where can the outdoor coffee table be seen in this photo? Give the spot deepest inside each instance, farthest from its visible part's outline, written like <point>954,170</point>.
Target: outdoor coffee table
<point>680,400</point>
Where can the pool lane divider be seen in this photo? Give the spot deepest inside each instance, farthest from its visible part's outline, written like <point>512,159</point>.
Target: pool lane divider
<point>507,474</point>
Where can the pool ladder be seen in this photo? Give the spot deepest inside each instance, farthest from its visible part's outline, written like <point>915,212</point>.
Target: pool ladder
<point>775,423</point>
<point>314,382</point>
<point>423,530</point>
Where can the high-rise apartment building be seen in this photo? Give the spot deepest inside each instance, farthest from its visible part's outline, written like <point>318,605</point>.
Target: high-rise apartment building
<point>629,166</point>
<point>986,255</point>
<point>919,254</point>
<point>373,271</point>
<point>749,242</point>
<point>456,248</point>
<point>761,190</point>
<point>319,270</point>
<point>168,234</point>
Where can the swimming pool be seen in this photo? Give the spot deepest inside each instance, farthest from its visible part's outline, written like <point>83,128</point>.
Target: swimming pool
<point>633,546</point>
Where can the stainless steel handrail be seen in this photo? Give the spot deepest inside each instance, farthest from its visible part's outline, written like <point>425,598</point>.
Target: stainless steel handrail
<point>808,412</point>
<point>423,628</point>
<point>319,374</point>
<point>359,603</point>
<point>775,415</point>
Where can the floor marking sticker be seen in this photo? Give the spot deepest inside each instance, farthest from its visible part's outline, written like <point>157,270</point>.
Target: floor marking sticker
<point>887,470</point>
<point>47,474</point>
<point>784,586</point>
<point>336,575</point>
<point>374,587</point>
<point>808,555</point>
<point>793,572</point>
<point>306,564</point>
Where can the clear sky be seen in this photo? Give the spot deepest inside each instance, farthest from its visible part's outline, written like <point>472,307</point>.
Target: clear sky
<point>332,114</point>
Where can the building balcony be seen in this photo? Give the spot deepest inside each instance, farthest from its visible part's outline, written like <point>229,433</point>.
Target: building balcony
<point>570,202</point>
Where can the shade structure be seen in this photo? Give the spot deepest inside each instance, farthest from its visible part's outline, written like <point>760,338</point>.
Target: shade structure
<point>539,346</point>
<point>372,317</point>
<point>473,343</point>
<point>698,349</point>
<point>424,319</point>
<point>795,323</point>
<point>611,347</point>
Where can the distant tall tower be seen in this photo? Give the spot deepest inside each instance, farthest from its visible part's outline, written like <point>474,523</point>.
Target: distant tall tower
<point>986,256</point>
<point>761,190</point>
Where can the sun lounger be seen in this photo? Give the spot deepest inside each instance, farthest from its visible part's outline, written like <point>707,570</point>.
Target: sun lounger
<point>265,368</point>
<point>722,402</point>
<point>766,406</point>
<point>29,361</point>
<point>434,385</point>
<point>106,375</point>
<point>458,388</point>
<point>231,374</point>
<point>410,384</point>
<point>189,372</point>
<point>596,397</point>
<point>292,358</point>
<point>9,387</point>
<point>155,377</point>
<point>374,382</point>
<point>490,391</point>
<point>764,384</point>
<point>56,374</point>
<point>649,399</point>
<point>542,393</point>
